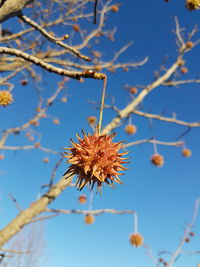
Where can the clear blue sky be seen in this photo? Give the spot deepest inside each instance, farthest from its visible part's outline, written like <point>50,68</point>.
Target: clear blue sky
<point>163,197</point>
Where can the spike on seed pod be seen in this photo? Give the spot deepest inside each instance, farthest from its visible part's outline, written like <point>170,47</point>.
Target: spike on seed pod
<point>157,160</point>
<point>89,219</point>
<point>136,239</point>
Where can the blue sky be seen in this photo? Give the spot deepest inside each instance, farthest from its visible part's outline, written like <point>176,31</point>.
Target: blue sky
<point>163,197</point>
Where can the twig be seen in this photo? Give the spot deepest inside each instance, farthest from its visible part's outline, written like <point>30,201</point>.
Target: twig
<point>152,141</point>
<point>94,212</point>
<point>167,119</point>
<point>51,38</point>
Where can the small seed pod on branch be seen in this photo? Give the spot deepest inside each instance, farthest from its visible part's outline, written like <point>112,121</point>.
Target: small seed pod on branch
<point>89,219</point>
<point>6,98</point>
<point>157,160</point>
<point>136,239</point>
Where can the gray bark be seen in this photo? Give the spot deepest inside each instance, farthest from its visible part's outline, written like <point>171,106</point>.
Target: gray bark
<point>12,8</point>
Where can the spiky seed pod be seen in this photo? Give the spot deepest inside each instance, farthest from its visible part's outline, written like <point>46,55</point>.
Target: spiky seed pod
<point>157,160</point>
<point>186,152</point>
<point>6,98</point>
<point>95,159</point>
<point>82,199</point>
<point>38,109</point>
<point>34,122</point>
<point>160,259</point>
<point>133,90</point>
<point>91,120</point>
<point>24,82</point>
<point>76,28</point>
<point>37,145</point>
<point>130,129</point>
<point>184,70</point>
<point>191,234</point>
<point>165,263</point>
<point>187,240</point>
<point>181,62</point>
<point>1,157</point>
<point>56,121</point>
<point>64,100</point>
<point>192,4</point>
<point>46,160</point>
<point>89,219</point>
<point>115,8</point>
<point>136,239</point>
<point>189,44</point>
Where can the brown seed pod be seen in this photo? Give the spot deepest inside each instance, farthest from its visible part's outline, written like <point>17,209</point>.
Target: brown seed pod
<point>91,120</point>
<point>46,160</point>
<point>115,8</point>
<point>157,160</point>
<point>82,199</point>
<point>189,44</point>
<point>76,28</point>
<point>186,152</point>
<point>133,90</point>
<point>95,160</point>
<point>37,145</point>
<point>24,82</point>
<point>187,240</point>
<point>1,157</point>
<point>56,121</point>
<point>89,219</point>
<point>184,70</point>
<point>136,239</point>
<point>130,129</point>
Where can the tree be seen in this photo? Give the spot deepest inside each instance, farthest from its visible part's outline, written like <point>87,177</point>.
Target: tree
<point>39,55</point>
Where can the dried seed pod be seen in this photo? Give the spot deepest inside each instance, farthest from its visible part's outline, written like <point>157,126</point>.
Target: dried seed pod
<point>136,239</point>
<point>95,160</point>
<point>6,98</point>
<point>157,160</point>
<point>186,152</point>
<point>130,129</point>
<point>89,219</point>
<point>82,199</point>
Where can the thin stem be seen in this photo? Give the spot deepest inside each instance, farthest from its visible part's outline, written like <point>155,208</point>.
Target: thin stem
<point>102,103</point>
